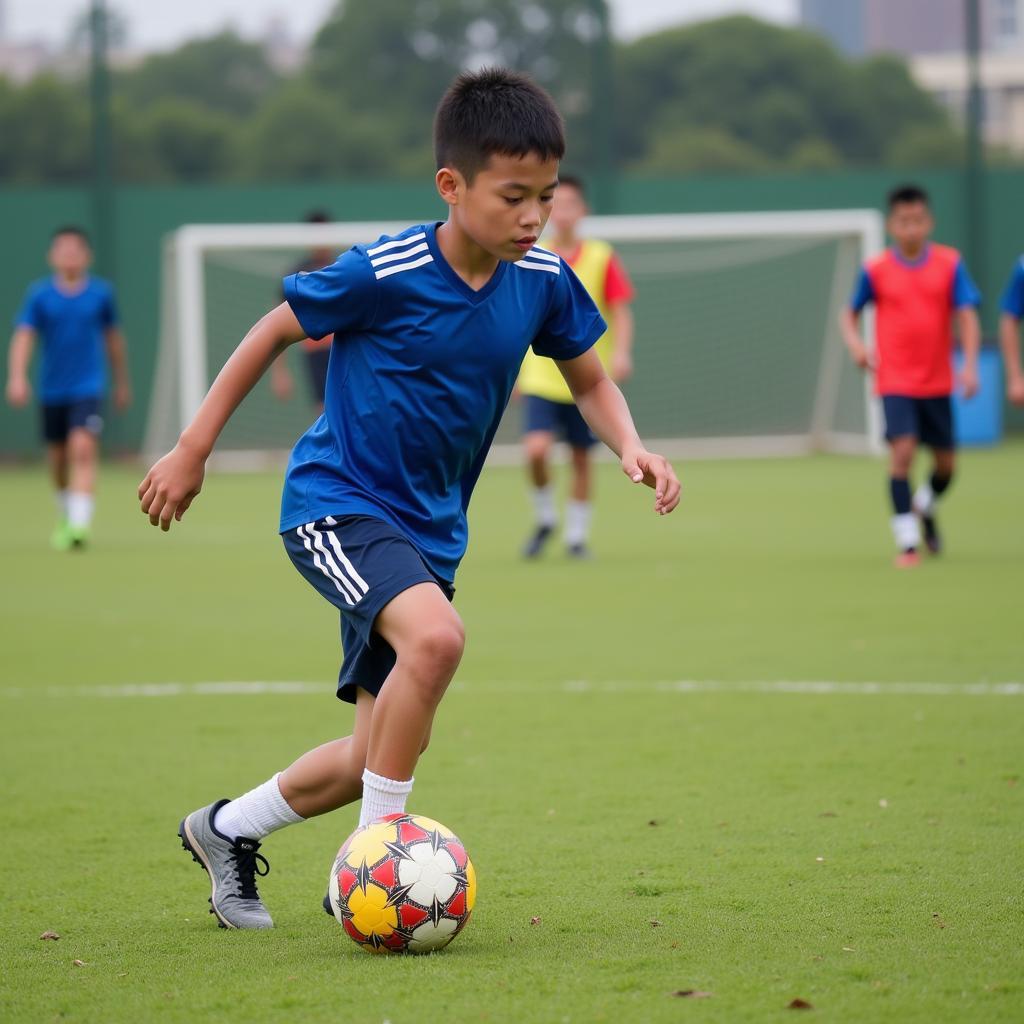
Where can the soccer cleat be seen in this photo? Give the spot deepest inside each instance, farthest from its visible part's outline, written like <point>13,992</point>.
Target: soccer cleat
<point>328,909</point>
<point>78,537</point>
<point>232,867</point>
<point>579,551</point>
<point>908,559</point>
<point>932,538</point>
<point>535,545</point>
<point>60,539</point>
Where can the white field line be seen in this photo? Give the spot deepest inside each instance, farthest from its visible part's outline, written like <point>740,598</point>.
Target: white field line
<point>680,686</point>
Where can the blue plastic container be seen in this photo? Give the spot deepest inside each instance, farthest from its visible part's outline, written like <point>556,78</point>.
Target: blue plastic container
<point>979,420</point>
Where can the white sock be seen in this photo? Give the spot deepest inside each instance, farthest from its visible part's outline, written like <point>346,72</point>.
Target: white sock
<point>924,499</point>
<point>80,506</point>
<point>257,813</point>
<point>61,498</point>
<point>577,522</point>
<point>906,530</point>
<point>382,796</point>
<point>544,506</point>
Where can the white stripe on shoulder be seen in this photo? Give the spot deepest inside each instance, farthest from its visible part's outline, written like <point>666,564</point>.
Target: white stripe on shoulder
<point>399,267</point>
<point>396,243</point>
<point>392,256</point>
<point>543,254</point>
<point>527,265</point>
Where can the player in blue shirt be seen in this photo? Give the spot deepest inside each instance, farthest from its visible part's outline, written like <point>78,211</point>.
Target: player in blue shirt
<point>430,330</point>
<point>1012,307</point>
<point>75,316</point>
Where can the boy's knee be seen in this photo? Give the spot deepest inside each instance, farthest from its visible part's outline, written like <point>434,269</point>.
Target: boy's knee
<point>433,655</point>
<point>536,446</point>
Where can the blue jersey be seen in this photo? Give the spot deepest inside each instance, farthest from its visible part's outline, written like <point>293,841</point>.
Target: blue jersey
<point>71,327</point>
<point>421,369</point>
<point>1012,301</point>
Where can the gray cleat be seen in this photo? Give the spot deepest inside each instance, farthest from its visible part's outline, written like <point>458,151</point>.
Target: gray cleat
<point>232,867</point>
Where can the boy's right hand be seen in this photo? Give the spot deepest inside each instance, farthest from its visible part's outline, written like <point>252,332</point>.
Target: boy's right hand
<point>1015,390</point>
<point>169,487</point>
<point>863,356</point>
<point>19,391</point>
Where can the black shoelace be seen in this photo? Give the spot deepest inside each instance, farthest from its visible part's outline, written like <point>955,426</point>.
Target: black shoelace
<point>247,867</point>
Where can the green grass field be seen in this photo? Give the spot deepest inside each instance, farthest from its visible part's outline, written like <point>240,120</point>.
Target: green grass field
<point>616,753</point>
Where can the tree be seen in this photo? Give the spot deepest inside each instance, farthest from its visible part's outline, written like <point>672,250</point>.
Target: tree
<point>45,128</point>
<point>784,93</point>
<point>393,61</point>
<point>222,73</point>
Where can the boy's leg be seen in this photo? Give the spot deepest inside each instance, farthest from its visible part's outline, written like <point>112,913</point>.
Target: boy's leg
<point>905,527</point>
<point>428,638</point>
<point>537,446</point>
<point>55,434</point>
<point>578,511</point>
<point>83,456</point>
<point>937,433</point>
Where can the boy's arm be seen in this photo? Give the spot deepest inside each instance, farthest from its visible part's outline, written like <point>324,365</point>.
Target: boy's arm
<point>849,326</point>
<point>969,331</point>
<point>172,483</point>
<point>1009,342</point>
<point>607,414</point>
<point>621,314</point>
<point>116,353</point>
<point>19,390</point>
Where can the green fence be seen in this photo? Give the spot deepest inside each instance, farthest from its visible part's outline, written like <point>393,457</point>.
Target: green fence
<point>144,215</point>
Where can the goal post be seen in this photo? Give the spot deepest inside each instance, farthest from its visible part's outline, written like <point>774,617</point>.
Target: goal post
<point>737,350</point>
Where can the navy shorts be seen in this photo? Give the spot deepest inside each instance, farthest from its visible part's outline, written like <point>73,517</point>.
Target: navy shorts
<point>316,363</point>
<point>60,418</point>
<point>560,418</point>
<point>930,420</point>
<point>359,564</point>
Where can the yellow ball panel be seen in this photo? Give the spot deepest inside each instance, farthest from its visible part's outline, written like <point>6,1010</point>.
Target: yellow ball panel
<point>369,912</point>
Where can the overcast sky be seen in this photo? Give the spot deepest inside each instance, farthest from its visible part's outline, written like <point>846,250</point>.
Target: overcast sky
<point>155,24</point>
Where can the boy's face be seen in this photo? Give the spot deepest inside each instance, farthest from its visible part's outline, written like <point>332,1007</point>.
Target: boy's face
<point>568,209</point>
<point>508,204</point>
<point>910,225</point>
<point>70,254</point>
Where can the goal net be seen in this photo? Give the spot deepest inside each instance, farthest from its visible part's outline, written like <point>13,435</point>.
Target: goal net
<point>737,348</point>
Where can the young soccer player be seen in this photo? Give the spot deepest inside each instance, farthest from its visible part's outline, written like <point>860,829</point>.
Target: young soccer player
<point>75,315</point>
<point>919,289</point>
<point>430,328</point>
<point>548,403</point>
<point>317,351</point>
<point>1012,312</point>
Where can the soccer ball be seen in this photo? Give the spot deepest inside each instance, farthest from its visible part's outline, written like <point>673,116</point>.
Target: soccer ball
<point>402,884</point>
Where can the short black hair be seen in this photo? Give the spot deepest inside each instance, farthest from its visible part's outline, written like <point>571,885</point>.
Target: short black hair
<point>573,181</point>
<point>907,194</point>
<point>318,216</point>
<point>71,229</point>
<point>495,111</point>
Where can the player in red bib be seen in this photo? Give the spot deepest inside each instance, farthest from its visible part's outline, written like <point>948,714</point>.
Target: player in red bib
<point>920,290</point>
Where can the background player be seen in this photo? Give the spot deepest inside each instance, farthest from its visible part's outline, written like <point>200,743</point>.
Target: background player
<point>1012,307</point>
<point>548,408</point>
<point>75,315</point>
<point>919,288</point>
<point>430,327</point>
<point>316,351</point>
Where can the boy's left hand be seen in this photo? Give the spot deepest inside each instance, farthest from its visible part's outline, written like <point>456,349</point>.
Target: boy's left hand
<point>969,381</point>
<point>642,466</point>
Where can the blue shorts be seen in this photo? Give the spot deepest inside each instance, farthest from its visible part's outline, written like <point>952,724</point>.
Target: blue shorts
<point>560,418</point>
<point>930,420</point>
<point>316,364</point>
<point>60,418</point>
<point>359,564</point>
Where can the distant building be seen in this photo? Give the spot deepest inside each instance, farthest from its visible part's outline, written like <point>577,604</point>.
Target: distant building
<point>932,34</point>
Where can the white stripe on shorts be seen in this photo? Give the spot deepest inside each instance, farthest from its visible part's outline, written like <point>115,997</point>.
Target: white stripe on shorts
<point>335,569</point>
<point>318,562</point>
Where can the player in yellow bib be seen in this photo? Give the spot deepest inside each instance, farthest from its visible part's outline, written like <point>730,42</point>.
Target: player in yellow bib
<point>549,411</point>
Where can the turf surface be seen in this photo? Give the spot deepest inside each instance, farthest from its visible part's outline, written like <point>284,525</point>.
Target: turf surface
<point>857,847</point>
